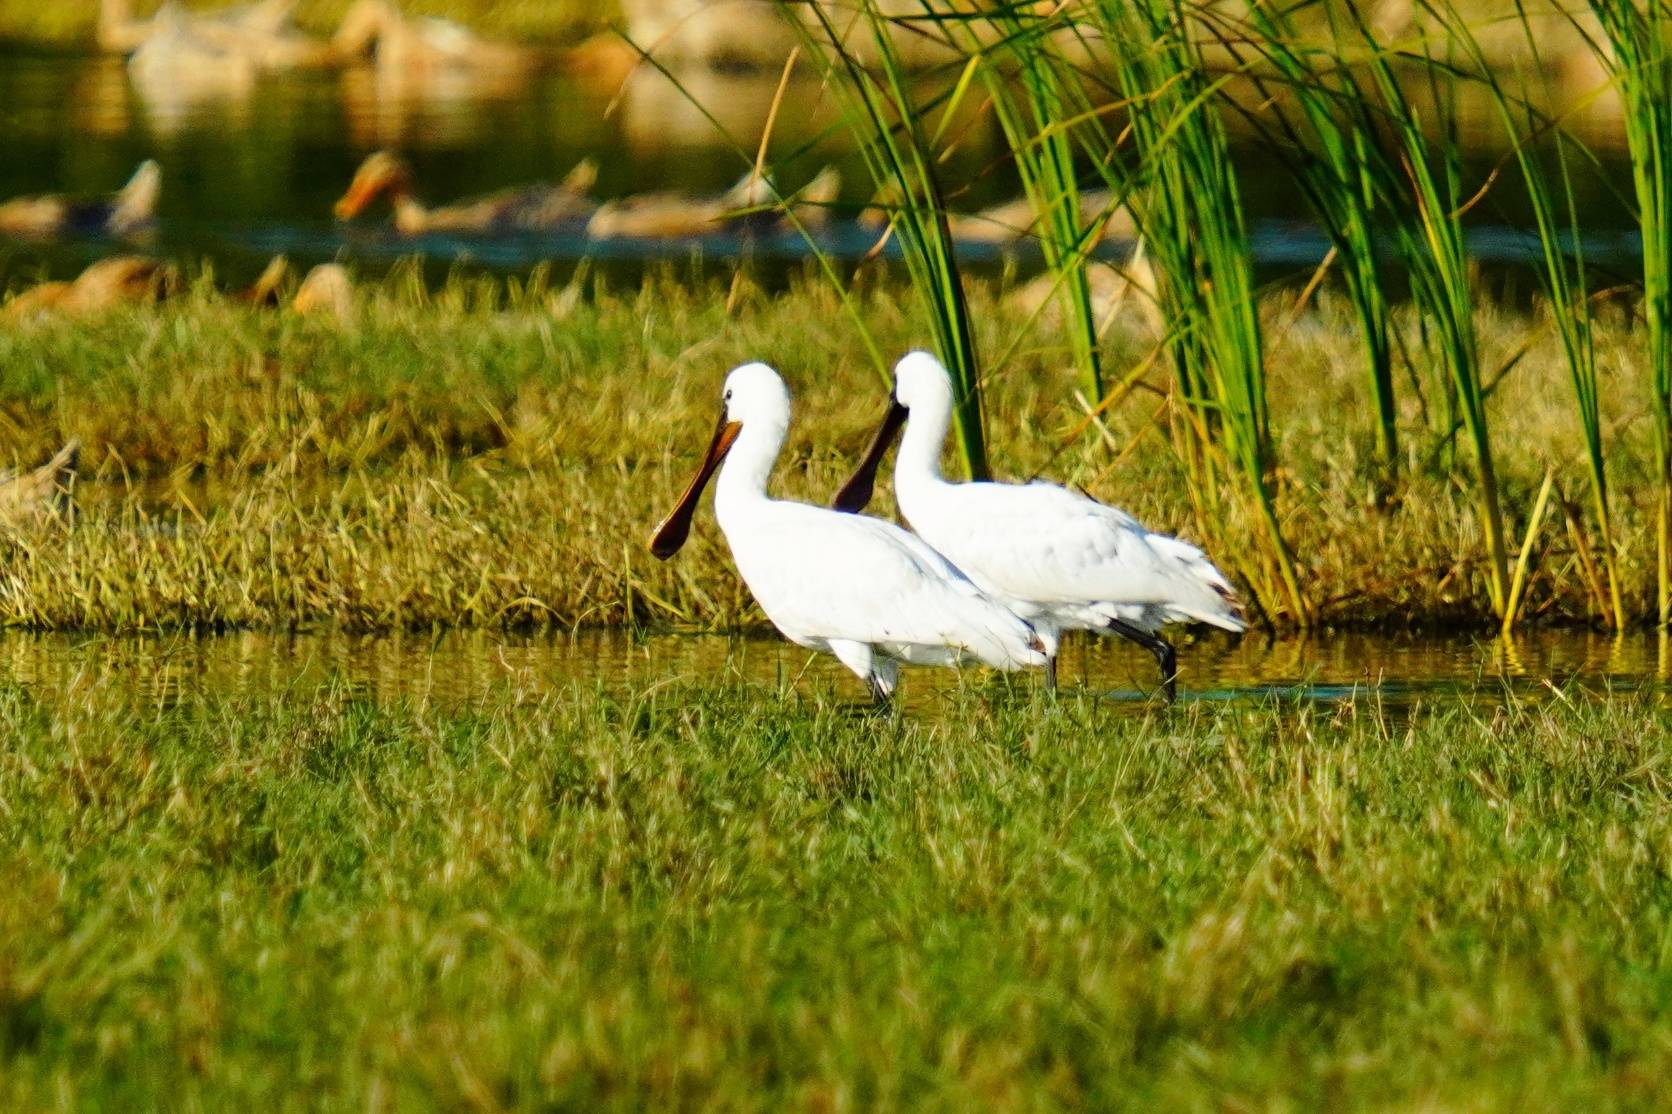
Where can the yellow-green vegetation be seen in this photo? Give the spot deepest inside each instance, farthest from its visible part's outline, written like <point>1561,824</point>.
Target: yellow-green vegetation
<point>706,896</point>
<point>560,21</point>
<point>481,456</point>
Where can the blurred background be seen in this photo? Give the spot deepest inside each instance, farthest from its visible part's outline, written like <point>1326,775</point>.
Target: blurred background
<point>258,115</point>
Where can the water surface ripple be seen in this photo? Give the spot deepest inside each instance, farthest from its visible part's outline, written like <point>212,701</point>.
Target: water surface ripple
<point>467,667</point>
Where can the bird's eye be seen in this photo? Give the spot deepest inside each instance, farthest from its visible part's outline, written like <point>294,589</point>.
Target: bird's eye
<point>728,396</point>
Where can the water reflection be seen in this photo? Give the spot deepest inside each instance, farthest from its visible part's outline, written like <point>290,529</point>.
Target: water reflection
<point>657,114</point>
<point>379,111</point>
<point>472,666</point>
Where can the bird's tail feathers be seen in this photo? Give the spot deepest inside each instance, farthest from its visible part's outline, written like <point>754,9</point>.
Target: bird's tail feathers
<point>1231,619</point>
<point>1206,595</point>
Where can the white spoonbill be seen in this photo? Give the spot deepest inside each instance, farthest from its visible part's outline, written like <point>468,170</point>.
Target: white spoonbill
<point>1058,559</point>
<point>859,588</point>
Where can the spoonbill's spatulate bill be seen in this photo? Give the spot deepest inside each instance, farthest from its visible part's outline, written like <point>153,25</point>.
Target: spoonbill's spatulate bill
<point>859,588</point>
<point>1056,558</point>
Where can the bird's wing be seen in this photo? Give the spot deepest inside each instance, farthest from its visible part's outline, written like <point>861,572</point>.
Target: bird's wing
<point>819,574</point>
<point>1044,543</point>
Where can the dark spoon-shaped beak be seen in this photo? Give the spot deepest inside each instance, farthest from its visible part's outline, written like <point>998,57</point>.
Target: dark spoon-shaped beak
<point>860,486</point>
<point>675,528</point>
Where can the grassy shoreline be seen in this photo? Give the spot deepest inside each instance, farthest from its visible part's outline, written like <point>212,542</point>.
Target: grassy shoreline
<point>699,895</point>
<point>473,457</point>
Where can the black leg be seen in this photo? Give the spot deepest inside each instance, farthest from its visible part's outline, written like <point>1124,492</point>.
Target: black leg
<point>1051,673</point>
<point>879,696</point>
<point>1160,647</point>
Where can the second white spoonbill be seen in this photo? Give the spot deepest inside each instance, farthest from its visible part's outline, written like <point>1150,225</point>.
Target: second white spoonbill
<point>859,588</point>
<point>1060,560</point>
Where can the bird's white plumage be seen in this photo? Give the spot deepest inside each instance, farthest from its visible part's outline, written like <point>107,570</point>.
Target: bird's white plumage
<point>860,588</point>
<point>1055,557</point>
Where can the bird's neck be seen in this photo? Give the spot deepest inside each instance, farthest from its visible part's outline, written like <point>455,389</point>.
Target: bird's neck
<point>748,466</point>
<point>410,214</point>
<point>918,465</point>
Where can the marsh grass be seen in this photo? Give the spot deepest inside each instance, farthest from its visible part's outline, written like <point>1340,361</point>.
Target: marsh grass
<point>1173,153</point>
<point>701,895</point>
<point>1636,48</point>
<point>1431,241</point>
<point>1316,117</point>
<point>473,456</point>
<point>1369,108</point>
<point>1566,281</point>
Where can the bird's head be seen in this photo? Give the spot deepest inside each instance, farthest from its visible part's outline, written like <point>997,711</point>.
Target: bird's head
<point>921,382</point>
<point>754,396</point>
<point>382,172</point>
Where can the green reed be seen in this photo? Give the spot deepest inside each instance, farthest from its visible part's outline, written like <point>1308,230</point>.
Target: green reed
<point>1189,210</point>
<point>1563,273</point>
<point>888,119</point>
<point>1636,46</point>
<point>1033,105</point>
<point>1431,242</point>
<point>1318,118</point>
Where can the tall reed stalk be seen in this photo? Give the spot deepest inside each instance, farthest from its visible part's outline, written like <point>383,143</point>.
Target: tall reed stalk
<point>1190,213</point>
<point>1318,117</point>
<point>1635,48</point>
<point>889,122</point>
<point>1432,244</point>
<point>1025,77</point>
<point>1563,274</point>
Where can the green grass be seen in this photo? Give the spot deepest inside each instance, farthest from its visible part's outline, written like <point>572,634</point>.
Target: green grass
<point>715,896</point>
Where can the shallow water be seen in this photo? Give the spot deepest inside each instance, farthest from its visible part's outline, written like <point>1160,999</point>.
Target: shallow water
<point>459,668</point>
<point>248,173</point>
<point>252,171</point>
